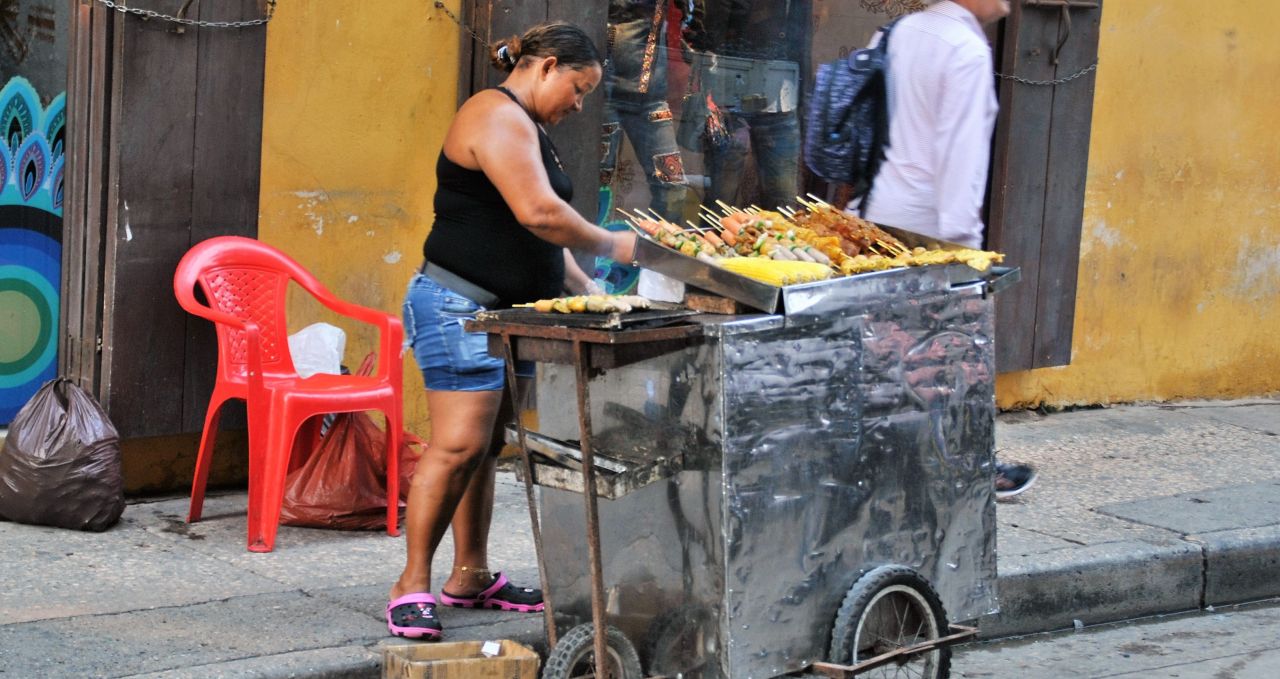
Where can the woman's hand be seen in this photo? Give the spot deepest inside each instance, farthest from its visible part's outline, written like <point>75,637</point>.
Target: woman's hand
<point>576,280</point>
<point>622,247</point>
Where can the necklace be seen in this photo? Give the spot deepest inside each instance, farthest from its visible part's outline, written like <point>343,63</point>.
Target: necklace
<point>551,147</point>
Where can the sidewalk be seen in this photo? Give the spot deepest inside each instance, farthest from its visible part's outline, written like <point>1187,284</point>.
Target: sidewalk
<point>1138,510</point>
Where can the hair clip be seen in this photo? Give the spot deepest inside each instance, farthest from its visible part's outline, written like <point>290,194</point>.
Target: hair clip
<point>505,55</point>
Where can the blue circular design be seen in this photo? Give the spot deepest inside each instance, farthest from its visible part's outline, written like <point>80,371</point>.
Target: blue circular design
<point>616,278</point>
<point>30,269</point>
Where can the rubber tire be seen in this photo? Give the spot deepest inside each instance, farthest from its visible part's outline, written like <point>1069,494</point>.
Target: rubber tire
<point>672,628</point>
<point>864,592</point>
<point>579,643</point>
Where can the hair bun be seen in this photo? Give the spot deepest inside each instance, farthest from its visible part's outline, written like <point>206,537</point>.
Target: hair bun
<point>505,54</point>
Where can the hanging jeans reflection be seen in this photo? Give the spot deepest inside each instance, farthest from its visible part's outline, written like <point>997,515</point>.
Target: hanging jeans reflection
<point>775,140</point>
<point>635,104</point>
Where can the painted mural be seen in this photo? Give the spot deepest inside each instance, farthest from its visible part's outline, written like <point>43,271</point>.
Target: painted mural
<point>615,277</point>
<point>31,179</point>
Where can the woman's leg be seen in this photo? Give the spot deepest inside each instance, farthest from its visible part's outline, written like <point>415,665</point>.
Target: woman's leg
<point>475,513</point>
<point>461,423</point>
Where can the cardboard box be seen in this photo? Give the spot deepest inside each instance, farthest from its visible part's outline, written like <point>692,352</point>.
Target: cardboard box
<point>459,660</point>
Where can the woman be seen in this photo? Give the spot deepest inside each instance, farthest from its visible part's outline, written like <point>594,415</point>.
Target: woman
<point>503,223</point>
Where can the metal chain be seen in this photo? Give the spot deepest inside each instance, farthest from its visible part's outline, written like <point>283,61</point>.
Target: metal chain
<point>441,6</point>
<point>152,14</point>
<point>1059,81</point>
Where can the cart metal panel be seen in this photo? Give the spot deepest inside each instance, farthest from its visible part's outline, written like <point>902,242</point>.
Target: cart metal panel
<point>854,432</point>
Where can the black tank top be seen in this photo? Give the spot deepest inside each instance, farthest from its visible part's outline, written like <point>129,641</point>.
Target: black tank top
<point>476,235</point>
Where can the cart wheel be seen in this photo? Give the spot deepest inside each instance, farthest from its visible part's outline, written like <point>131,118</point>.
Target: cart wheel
<point>574,655</point>
<point>888,608</point>
<point>682,642</point>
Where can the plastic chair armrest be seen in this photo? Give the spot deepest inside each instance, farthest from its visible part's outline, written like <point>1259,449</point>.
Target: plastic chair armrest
<point>390,329</point>
<point>220,317</point>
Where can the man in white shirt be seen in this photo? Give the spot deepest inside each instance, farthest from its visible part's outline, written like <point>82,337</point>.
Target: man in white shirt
<point>942,110</point>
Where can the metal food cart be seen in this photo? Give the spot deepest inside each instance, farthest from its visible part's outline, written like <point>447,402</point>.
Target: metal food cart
<point>774,491</point>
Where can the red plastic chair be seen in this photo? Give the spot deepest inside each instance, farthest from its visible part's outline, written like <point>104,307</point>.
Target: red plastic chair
<point>245,282</point>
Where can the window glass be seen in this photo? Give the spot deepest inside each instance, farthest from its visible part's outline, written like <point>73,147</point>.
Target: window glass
<point>705,100</point>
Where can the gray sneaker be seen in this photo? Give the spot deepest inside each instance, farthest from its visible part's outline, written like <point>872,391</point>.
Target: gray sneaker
<point>1013,479</point>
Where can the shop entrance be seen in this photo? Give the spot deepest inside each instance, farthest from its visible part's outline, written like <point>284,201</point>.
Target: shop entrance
<point>764,54</point>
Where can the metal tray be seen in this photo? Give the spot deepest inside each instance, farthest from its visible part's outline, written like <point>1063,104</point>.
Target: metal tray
<point>772,299</point>
<point>658,314</point>
<point>664,260</point>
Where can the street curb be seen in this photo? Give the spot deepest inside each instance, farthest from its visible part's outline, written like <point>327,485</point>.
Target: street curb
<point>1094,584</point>
<point>334,662</point>
<point>1041,592</point>
<point>1124,580</point>
<point>1240,565</point>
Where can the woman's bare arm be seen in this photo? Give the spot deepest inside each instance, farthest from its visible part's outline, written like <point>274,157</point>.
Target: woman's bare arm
<point>504,143</point>
<point>576,280</point>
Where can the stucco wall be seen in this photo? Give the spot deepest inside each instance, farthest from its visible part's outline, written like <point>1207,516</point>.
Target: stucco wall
<point>1179,292</point>
<point>356,103</point>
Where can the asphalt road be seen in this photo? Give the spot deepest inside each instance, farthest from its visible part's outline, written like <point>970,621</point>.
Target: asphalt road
<point>1228,643</point>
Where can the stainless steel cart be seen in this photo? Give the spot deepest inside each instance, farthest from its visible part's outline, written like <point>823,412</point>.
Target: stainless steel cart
<point>774,492</point>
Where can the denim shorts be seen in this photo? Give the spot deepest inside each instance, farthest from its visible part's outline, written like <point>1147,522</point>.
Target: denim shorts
<point>450,358</point>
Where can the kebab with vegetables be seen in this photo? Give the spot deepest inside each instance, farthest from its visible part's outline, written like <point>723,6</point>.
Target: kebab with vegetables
<point>770,234</point>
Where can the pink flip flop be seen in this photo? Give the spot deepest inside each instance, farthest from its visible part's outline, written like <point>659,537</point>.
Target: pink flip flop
<point>500,595</point>
<point>413,616</point>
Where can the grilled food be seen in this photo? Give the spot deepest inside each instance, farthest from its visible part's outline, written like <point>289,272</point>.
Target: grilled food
<point>596,304</point>
<point>776,272</point>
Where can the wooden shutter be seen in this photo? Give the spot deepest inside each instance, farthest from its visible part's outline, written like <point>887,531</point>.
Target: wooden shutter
<point>1038,174</point>
<point>165,153</point>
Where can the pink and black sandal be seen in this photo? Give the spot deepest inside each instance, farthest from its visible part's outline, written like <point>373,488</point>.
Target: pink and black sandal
<point>501,595</point>
<point>413,616</point>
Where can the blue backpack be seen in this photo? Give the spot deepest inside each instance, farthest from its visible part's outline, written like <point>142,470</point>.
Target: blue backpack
<point>848,120</point>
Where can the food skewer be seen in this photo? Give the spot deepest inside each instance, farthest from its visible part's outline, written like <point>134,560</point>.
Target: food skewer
<point>728,209</point>
<point>896,249</point>
<point>820,201</point>
<point>709,220</point>
<point>805,203</point>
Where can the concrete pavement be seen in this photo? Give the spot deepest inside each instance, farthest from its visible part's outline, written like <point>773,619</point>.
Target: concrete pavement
<point>1228,642</point>
<point>1138,510</point>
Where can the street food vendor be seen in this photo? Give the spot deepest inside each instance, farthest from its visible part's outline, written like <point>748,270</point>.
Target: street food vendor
<point>503,224</point>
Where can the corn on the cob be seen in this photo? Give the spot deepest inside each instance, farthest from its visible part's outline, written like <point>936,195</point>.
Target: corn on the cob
<point>776,272</point>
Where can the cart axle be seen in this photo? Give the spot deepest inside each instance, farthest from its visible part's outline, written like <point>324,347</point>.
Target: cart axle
<point>958,633</point>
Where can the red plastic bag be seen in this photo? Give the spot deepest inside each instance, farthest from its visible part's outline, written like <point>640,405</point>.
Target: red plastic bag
<point>342,484</point>
<point>60,465</point>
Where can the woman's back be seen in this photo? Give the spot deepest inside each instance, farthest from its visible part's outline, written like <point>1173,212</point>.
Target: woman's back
<point>476,234</point>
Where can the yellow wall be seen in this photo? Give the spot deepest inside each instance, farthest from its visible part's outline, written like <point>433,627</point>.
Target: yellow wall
<point>1179,289</point>
<point>356,104</point>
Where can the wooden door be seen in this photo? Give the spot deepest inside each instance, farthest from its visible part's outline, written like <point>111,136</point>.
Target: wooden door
<point>1039,166</point>
<point>166,154</point>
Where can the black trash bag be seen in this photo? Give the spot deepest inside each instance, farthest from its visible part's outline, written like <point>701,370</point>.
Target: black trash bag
<point>60,465</point>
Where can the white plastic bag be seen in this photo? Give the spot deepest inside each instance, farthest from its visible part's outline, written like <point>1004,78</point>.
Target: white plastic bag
<point>318,348</point>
